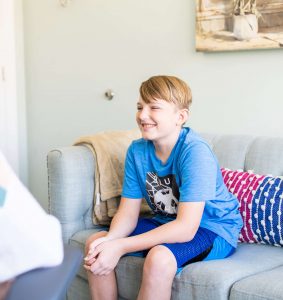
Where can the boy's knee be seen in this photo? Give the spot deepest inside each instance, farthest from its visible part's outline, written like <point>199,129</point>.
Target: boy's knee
<point>160,262</point>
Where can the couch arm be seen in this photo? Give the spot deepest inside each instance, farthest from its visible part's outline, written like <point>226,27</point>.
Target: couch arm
<point>71,188</point>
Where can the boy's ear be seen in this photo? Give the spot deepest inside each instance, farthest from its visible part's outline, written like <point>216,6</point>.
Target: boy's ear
<point>183,116</point>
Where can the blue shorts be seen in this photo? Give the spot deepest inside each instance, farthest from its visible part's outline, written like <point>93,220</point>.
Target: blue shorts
<point>205,245</point>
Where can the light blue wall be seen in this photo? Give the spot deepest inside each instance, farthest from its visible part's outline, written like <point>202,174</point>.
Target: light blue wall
<point>74,54</point>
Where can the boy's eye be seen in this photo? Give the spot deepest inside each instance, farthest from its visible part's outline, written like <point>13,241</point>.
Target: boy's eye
<point>155,107</point>
<point>139,108</point>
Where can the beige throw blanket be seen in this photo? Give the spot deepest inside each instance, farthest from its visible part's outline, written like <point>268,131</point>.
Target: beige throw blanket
<point>109,149</point>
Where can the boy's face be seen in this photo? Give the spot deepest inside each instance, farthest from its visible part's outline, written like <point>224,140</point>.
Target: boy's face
<point>159,120</point>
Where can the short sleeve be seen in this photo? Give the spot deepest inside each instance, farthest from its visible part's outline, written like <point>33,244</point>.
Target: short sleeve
<point>131,185</point>
<point>198,174</point>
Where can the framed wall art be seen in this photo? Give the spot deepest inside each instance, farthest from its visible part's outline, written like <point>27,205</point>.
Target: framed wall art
<point>227,25</point>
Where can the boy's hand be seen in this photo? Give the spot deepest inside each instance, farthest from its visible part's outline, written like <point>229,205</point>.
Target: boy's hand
<point>90,257</point>
<point>107,255</point>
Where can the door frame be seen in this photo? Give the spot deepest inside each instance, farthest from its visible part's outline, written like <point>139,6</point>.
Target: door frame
<point>12,87</point>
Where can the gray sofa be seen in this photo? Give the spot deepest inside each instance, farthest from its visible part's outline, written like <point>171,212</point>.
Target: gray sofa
<point>255,271</point>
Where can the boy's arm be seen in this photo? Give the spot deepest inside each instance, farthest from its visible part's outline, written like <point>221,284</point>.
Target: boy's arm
<point>180,230</point>
<point>125,220</point>
<point>106,255</point>
<point>122,224</point>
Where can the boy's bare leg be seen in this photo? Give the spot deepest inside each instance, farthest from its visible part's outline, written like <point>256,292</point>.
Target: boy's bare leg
<point>158,273</point>
<point>101,287</point>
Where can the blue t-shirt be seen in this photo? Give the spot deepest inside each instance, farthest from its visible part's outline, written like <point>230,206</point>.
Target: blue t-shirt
<point>190,174</point>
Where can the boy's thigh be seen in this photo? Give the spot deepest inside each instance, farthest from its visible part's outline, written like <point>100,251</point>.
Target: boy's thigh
<point>195,250</point>
<point>184,253</point>
<point>144,225</point>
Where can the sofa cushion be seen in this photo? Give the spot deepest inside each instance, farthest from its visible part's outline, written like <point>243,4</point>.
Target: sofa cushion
<point>261,205</point>
<point>207,280</point>
<point>256,288</point>
<point>202,280</point>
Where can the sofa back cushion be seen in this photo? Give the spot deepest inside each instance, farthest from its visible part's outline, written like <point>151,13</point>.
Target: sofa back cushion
<point>263,155</point>
<point>261,201</point>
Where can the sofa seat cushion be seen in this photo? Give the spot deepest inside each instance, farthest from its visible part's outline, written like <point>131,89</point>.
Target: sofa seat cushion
<point>265,285</point>
<point>211,280</point>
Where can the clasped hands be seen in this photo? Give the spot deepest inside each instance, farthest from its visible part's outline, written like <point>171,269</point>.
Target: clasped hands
<point>103,255</point>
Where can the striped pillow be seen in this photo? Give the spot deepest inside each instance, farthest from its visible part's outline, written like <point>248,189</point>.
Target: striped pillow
<point>261,205</point>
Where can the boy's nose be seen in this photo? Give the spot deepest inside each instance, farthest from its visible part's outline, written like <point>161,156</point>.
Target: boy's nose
<point>142,114</point>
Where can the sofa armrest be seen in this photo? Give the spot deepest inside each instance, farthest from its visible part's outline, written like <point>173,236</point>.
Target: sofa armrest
<point>71,187</point>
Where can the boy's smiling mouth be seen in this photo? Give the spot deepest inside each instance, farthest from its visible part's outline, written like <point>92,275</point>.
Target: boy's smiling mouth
<point>147,125</point>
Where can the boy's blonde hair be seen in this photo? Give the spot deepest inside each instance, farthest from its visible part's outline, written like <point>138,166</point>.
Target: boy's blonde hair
<point>168,88</point>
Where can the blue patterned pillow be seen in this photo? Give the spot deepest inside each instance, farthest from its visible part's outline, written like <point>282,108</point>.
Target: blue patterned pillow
<point>261,205</point>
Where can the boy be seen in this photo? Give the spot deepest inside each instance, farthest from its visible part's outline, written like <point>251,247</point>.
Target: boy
<point>195,217</point>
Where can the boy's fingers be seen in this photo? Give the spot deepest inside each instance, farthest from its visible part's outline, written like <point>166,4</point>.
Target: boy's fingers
<point>89,261</point>
<point>97,242</point>
<point>87,257</point>
<point>87,267</point>
<point>94,244</point>
<point>91,254</point>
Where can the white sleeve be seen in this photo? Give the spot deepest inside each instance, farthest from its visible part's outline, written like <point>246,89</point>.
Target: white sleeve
<point>29,237</point>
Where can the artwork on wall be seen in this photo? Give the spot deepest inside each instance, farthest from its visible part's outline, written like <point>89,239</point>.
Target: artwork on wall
<point>226,25</point>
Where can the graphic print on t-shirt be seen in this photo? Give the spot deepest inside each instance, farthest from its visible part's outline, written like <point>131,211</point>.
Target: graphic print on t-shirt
<point>163,193</point>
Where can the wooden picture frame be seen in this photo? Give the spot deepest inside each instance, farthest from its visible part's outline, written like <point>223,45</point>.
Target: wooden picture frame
<point>217,28</point>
